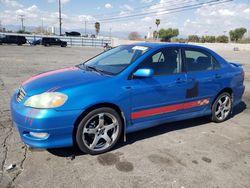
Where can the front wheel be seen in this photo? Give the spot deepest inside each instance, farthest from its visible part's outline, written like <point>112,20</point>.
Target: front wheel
<point>99,131</point>
<point>222,107</point>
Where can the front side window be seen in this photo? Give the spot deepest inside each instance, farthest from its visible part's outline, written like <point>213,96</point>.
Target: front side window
<point>199,61</point>
<point>164,62</point>
<point>116,59</point>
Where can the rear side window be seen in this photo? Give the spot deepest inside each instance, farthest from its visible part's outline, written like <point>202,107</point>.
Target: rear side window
<point>200,61</point>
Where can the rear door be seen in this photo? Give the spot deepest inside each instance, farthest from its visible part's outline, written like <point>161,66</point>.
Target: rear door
<point>203,77</point>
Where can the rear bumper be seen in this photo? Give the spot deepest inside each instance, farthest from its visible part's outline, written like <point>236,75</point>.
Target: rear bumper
<point>58,125</point>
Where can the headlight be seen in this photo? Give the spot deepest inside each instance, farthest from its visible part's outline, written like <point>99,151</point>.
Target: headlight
<point>46,100</point>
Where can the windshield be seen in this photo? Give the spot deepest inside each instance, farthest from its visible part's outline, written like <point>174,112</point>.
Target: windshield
<point>115,60</point>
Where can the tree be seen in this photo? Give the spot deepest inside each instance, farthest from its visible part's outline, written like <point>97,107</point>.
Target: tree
<point>23,32</point>
<point>237,34</point>
<point>134,36</point>
<point>222,39</point>
<point>97,28</point>
<point>209,39</point>
<point>167,34</point>
<point>157,22</point>
<point>193,38</point>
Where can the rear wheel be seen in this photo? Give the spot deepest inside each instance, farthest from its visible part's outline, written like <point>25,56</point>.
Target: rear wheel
<point>222,107</point>
<point>99,131</point>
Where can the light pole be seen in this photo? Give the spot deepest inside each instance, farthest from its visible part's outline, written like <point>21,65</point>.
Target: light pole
<point>110,30</point>
<point>42,26</point>
<point>22,20</point>
<point>60,18</point>
<point>85,27</point>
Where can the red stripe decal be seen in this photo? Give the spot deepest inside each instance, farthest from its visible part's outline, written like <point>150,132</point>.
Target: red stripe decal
<point>170,108</point>
<point>49,73</point>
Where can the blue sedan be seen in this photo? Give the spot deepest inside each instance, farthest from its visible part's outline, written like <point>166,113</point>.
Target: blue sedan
<point>123,90</point>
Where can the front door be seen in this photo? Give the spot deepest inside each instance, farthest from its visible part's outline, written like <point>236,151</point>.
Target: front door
<point>162,95</point>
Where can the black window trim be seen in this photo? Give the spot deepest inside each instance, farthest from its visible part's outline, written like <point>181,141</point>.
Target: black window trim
<point>198,50</point>
<point>130,77</point>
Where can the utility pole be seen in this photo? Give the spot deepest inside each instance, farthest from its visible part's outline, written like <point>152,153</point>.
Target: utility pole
<point>22,20</point>
<point>60,18</point>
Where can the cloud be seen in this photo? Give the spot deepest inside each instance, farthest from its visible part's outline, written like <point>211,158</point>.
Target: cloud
<point>30,12</point>
<point>146,1</point>
<point>10,3</point>
<point>62,1</point>
<point>108,5</point>
<point>127,7</point>
<point>216,20</point>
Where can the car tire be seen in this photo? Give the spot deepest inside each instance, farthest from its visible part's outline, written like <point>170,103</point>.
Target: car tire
<point>99,131</point>
<point>222,107</point>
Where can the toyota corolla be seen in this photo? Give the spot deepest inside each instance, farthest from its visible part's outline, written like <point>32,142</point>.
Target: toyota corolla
<point>123,90</point>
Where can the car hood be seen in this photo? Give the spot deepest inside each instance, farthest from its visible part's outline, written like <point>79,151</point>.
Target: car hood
<point>59,79</point>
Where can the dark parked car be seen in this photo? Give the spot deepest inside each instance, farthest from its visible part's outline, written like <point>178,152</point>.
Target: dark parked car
<point>46,41</point>
<point>73,34</point>
<point>36,42</point>
<point>12,39</point>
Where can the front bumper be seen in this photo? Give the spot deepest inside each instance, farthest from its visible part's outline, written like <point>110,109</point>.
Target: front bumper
<point>57,124</point>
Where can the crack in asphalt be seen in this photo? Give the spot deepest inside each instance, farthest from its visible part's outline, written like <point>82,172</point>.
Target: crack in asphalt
<point>20,170</point>
<point>5,148</point>
<point>4,144</point>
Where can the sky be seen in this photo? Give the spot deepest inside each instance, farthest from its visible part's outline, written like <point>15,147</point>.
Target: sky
<point>206,20</point>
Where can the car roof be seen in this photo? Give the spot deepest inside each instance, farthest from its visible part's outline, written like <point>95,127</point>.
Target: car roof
<point>165,44</point>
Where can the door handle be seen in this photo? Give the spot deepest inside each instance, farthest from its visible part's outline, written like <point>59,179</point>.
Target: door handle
<point>217,76</point>
<point>180,80</point>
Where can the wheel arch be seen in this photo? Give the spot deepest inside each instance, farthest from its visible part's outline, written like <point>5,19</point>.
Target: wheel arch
<point>100,105</point>
<point>227,89</point>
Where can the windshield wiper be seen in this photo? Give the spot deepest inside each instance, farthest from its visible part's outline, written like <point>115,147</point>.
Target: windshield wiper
<point>98,70</point>
<point>95,69</point>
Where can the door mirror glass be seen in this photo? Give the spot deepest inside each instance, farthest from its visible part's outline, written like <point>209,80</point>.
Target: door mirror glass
<point>144,73</point>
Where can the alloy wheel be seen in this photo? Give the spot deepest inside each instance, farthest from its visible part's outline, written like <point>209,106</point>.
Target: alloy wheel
<point>100,131</point>
<point>223,107</point>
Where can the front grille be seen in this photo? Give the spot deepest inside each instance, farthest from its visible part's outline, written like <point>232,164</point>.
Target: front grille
<point>20,95</point>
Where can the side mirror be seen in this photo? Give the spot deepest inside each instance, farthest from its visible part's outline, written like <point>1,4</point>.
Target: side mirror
<point>144,73</point>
